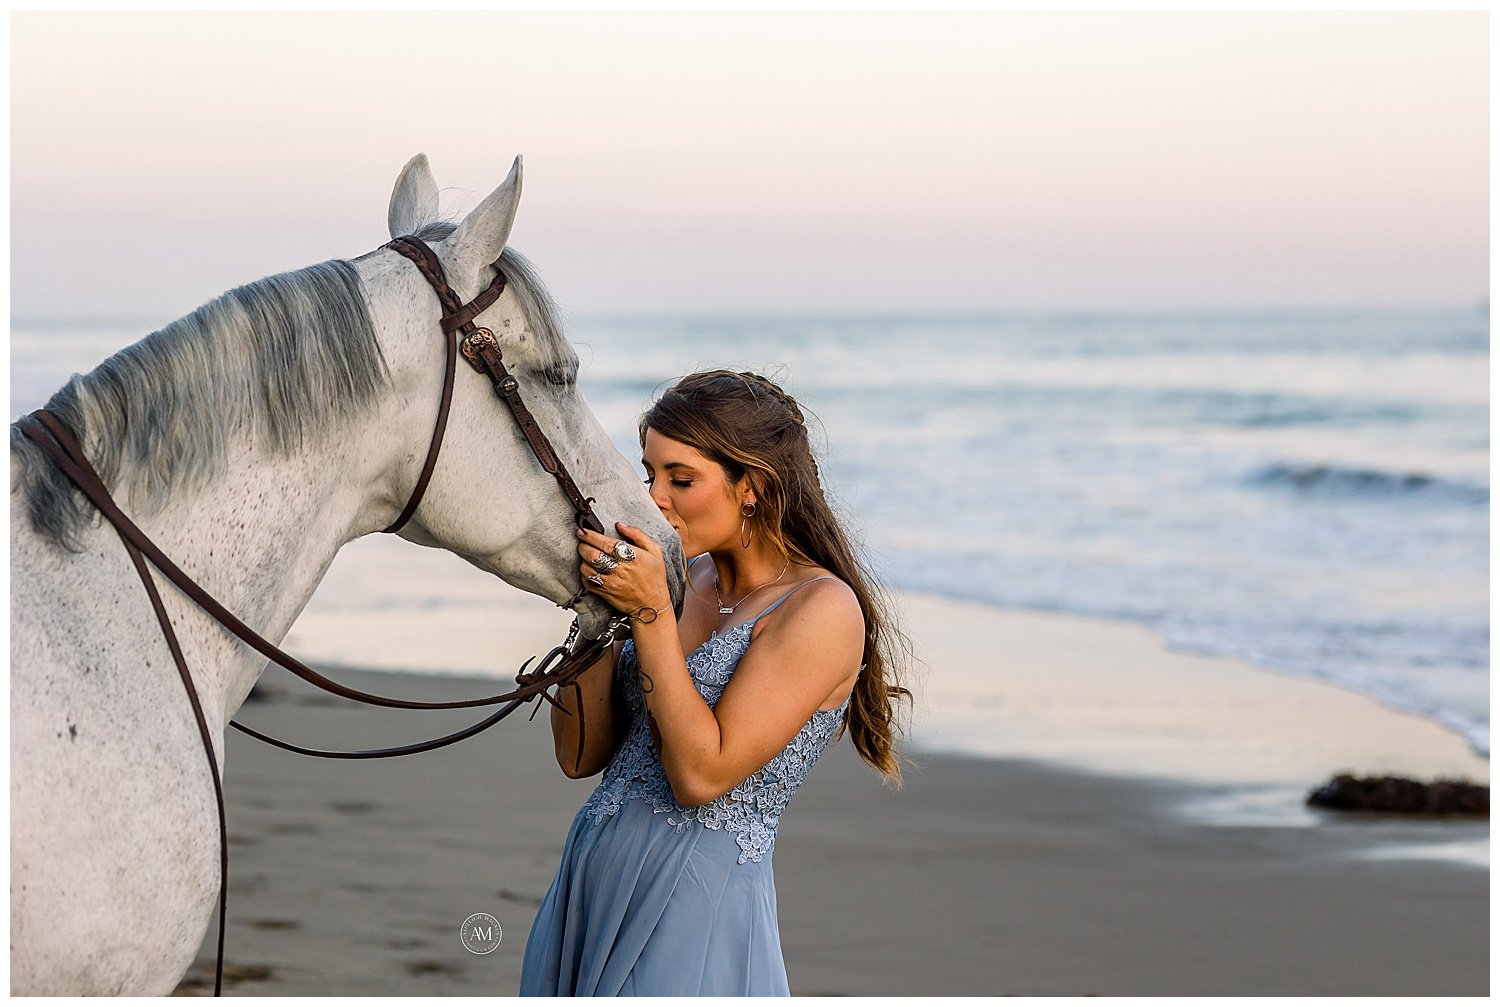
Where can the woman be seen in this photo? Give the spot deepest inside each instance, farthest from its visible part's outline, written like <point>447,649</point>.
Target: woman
<point>707,724</point>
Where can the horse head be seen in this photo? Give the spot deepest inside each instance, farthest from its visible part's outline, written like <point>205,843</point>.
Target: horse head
<point>489,499</point>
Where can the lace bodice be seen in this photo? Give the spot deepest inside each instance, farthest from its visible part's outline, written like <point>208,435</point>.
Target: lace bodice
<point>753,808</point>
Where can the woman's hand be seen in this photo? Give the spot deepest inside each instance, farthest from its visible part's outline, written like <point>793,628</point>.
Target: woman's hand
<point>632,584</point>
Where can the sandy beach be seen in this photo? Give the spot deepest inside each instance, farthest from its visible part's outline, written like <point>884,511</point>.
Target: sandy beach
<point>1135,829</point>
<point>1145,355</point>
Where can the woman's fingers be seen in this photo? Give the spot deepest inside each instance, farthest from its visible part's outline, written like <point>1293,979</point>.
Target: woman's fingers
<point>637,537</point>
<point>603,543</point>
<point>627,584</point>
<point>628,533</point>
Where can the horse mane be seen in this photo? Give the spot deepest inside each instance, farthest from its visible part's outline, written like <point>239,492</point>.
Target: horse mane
<point>277,357</point>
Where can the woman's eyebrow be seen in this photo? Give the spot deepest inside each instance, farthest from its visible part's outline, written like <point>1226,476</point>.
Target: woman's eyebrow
<point>669,466</point>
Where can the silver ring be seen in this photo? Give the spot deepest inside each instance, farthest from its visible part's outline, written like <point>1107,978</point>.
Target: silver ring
<point>603,563</point>
<point>624,551</point>
<point>595,580</point>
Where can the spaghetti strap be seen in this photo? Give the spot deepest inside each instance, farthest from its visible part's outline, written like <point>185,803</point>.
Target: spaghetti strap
<point>771,607</point>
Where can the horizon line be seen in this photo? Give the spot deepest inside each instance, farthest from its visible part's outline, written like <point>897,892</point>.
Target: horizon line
<point>1480,306</point>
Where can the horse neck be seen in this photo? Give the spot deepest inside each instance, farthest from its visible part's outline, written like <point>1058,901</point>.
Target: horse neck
<point>266,532</point>
<point>259,539</point>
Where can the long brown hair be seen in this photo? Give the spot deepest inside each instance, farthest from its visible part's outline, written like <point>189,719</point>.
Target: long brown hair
<point>750,426</point>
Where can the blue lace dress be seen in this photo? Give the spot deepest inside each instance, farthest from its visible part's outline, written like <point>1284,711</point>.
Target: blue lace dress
<point>653,898</point>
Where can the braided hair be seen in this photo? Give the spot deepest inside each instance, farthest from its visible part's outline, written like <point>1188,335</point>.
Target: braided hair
<point>750,425</point>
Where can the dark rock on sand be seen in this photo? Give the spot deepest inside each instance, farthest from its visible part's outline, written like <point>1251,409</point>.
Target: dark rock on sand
<point>1395,794</point>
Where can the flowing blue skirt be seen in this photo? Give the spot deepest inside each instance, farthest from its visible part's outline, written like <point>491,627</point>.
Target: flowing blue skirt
<point>639,908</point>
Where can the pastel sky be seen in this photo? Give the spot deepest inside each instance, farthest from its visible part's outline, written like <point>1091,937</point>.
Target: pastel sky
<point>781,162</point>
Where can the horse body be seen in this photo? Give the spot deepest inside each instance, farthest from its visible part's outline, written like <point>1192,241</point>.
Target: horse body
<point>114,825</point>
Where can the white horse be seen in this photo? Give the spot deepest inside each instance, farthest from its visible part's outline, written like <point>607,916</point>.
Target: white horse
<point>251,440</point>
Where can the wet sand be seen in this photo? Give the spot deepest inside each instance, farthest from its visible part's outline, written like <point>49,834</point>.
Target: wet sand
<point>980,876</point>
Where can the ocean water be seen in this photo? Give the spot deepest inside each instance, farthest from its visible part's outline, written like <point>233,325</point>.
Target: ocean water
<point>1307,491</point>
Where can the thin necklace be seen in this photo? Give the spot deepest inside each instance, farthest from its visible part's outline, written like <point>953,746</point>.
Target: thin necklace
<point>729,610</point>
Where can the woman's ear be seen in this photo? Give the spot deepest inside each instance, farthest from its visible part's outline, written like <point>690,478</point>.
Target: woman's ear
<point>746,491</point>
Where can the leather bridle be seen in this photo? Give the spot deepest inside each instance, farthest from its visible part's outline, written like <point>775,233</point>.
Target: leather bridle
<point>560,667</point>
<point>482,351</point>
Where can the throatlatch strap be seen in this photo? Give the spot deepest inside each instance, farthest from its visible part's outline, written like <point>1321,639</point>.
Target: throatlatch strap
<point>461,315</point>
<point>450,365</point>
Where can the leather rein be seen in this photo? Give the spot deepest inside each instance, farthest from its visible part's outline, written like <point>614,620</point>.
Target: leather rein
<point>560,667</point>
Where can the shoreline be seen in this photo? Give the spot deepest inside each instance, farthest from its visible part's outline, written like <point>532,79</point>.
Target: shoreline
<point>978,876</point>
<point>1110,695</point>
<point>1096,694</point>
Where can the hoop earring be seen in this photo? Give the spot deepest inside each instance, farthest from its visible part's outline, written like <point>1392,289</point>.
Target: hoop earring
<point>746,539</point>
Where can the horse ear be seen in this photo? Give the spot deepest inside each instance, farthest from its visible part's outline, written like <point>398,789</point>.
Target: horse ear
<point>481,237</point>
<point>414,201</point>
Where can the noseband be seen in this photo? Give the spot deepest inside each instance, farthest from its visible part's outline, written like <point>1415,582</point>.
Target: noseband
<point>560,667</point>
